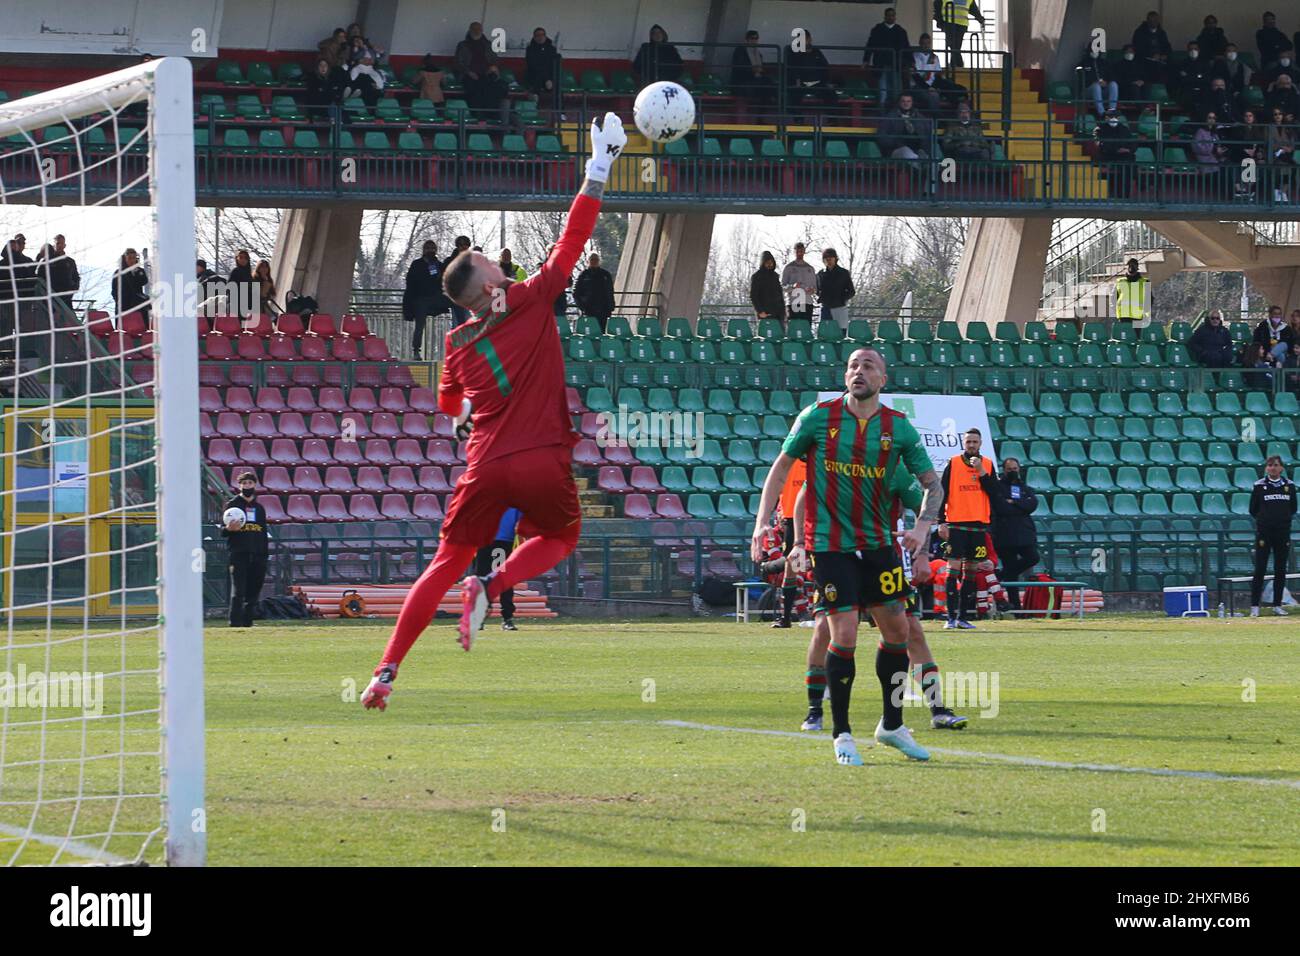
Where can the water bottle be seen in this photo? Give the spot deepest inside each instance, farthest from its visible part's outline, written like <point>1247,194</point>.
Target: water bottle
<point>1221,609</point>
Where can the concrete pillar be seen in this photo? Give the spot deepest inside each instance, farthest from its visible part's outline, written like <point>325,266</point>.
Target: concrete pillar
<point>1000,277</point>
<point>727,22</point>
<point>1050,35</point>
<point>1280,284</point>
<point>668,254</point>
<point>316,254</point>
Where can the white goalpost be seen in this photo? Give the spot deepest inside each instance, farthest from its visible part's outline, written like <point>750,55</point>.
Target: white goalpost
<point>101,564</point>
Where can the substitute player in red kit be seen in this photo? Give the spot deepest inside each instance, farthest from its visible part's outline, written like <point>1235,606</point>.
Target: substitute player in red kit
<point>503,382</point>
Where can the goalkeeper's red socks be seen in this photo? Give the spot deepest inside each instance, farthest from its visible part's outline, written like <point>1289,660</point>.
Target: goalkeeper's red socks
<point>531,559</point>
<point>426,594</point>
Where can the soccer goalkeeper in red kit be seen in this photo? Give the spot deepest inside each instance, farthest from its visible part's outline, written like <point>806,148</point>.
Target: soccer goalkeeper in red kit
<point>503,382</point>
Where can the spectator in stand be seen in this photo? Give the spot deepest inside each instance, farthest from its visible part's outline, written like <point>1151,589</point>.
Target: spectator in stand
<point>240,290</point>
<point>799,279</point>
<point>1212,40</point>
<point>1271,43</point>
<point>1209,152</point>
<point>964,139</point>
<point>1015,537</point>
<point>593,293</point>
<point>512,269</point>
<point>365,81</point>
<point>325,85</point>
<point>1282,95</point>
<point>1191,78</point>
<point>1100,81</point>
<point>903,132</point>
<point>1211,343</point>
<point>657,59</point>
<point>749,77</point>
<point>1275,335</point>
<point>1251,142</point>
<point>211,287</point>
<point>809,73</point>
<point>542,70</point>
<point>423,295</point>
<point>1259,367</point>
<point>1286,66</point>
<point>1131,74</point>
<point>16,270</point>
<point>430,77</point>
<point>1117,144</point>
<point>953,17</point>
<point>1219,100</point>
<point>1235,71</point>
<point>458,314</point>
<point>765,290</point>
<point>924,74</point>
<point>477,64</point>
<point>266,287</point>
<point>834,289</point>
<point>59,270</point>
<point>886,54</point>
<point>354,34</point>
<point>335,47</point>
<point>1150,39</point>
<point>130,287</point>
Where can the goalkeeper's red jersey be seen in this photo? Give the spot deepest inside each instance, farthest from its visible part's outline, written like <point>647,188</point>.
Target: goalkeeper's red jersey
<point>510,365</point>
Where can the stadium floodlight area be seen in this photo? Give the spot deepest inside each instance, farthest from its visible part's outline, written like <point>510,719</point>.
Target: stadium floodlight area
<point>101,656</point>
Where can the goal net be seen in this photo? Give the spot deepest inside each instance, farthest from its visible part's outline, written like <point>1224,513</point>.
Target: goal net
<point>101,693</point>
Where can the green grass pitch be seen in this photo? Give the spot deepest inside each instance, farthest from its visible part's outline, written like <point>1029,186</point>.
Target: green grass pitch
<point>549,746</point>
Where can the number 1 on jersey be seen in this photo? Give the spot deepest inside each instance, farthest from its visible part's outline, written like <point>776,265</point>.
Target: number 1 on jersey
<point>485,348</point>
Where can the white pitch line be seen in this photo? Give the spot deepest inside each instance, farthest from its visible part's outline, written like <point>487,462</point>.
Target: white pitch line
<point>73,847</point>
<point>1012,758</point>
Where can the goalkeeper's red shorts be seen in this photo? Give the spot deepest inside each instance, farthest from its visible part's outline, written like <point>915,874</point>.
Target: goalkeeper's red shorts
<point>539,482</point>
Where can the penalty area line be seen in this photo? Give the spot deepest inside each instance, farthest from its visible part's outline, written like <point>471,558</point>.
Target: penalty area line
<point>73,847</point>
<point>1012,758</point>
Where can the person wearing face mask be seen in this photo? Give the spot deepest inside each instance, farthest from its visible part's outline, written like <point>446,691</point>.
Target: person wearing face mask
<point>1271,43</point>
<point>1191,78</point>
<point>1015,537</point>
<point>1131,74</point>
<point>1233,70</point>
<point>1100,80</point>
<point>1116,144</point>
<point>1212,40</point>
<point>1220,101</point>
<point>248,546</point>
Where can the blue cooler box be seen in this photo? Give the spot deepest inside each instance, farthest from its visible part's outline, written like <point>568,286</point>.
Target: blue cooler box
<point>1186,602</point>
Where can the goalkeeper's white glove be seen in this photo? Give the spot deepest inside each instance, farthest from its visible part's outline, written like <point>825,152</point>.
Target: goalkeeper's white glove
<point>607,142</point>
<point>463,425</point>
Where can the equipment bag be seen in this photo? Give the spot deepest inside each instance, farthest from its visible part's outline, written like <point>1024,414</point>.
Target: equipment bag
<point>1044,601</point>
<point>304,305</point>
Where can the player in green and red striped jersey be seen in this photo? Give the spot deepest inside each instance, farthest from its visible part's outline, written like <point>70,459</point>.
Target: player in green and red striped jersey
<point>852,446</point>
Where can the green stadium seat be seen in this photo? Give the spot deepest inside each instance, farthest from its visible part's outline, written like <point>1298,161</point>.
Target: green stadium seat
<point>946,331</point>
<point>1223,429</point>
<point>290,74</point>
<point>1188,478</point>
<point>389,110</point>
<point>1214,504</point>
<point>972,355</point>
<point>721,402</point>
<point>1066,506</point>
<point>285,108</point>
<point>1090,355</point>
<point>701,506</point>
<point>1166,429</point>
<point>745,426</point>
<point>859,331</point>
<point>1030,355</point>
<point>1155,505</point>
<point>1095,332</point>
<point>888,330</point>
<point>1161,453</point>
<point>228,72</point>
<point>1069,478</point>
<point>1129,478</point>
<point>1123,332</point>
<point>1195,429</point>
<point>232,138</point>
<point>1283,429</point>
<point>1286,403</point>
<point>1111,403</point>
<point>1136,429</point>
<point>1097,506</point>
<point>705,478</point>
<point>1120,356</point>
<point>1248,453</point>
<point>1016,450</point>
<point>1228,403</point>
<point>1185,505</point>
<point>1158,478</point>
<point>703,352</point>
<point>1107,428</point>
<point>479,143</point>
<point>1077,428</point>
<point>674,478</point>
<point>740,451</point>
<point>1048,429</point>
<point>1216,479</point>
<point>376,140</point>
<point>1191,453</point>
<point>1100,453</point>
<point>1017,427</point>
<point>1082,404</point>
<point>1040,453</point>
<point>1062,355</point>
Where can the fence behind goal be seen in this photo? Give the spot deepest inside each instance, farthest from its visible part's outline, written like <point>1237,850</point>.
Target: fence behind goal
<point>101,693</point>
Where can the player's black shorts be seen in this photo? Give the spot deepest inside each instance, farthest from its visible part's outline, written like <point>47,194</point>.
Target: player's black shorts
<point>787,535</point>
<point>848,580</point>
<point>967,544</point>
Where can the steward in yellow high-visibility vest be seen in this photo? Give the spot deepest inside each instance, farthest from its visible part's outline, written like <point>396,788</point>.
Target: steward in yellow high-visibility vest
<point>953,17</point>
<point>1132,296</point>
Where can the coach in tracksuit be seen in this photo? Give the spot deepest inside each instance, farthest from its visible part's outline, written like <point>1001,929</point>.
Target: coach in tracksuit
<point>1272,505</point>
<point>248,550</point>
<point>491,557</point>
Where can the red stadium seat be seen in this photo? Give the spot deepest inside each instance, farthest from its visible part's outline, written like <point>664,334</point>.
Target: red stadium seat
<point>362,400</point>
<point>349,453</point>
<point>332,508</point>
<point>228,325</point>
<point>443,426</point>
<point>242,374</point>
<point>665,533</point>
<point>306,375</point>
<point>433,478</point>
<point>399,376</point>
<point>591,424</point>
<point>339,479</point>
<point>587,454</point>
<point>262,425</point>
<point>134,324</point>
<point>252,451</point>
<point>369,376</point>
<point>217,347</point>
<point>316,451</point>
<point>290,324</point>
<point>210,400</point>
<point>343,350</point>
<point>231,425</point>
<point>324,425</point>
<point>375,349</point>
<point>285,451</point>
<point>221,451</point>
<point>416,425</point>
<point>384,425</point>
<point>611,480</point>
<point>423,400</point>
<point>371,480</point>
<point>270,400</point>
<point>276,480</point>
<point>407,451</point>
<point>294,538</point>
<point>401,478</point>
<point>314,350</point>
<point>213,376</point>
<point>274,509</point>
<point>354,325</point>
<point>439,452</point>
<point>395,507</point>
<point>260,326</point>
<point>206,430</point>
<point>239,399</point>
<point>453,476</point>
<point>280,349</point>
<point>427,507</point>
<point>277,376</point>
<point>101,324</point>
<point>644,479</point>
<point>250,348</point>
<point>322,324</point>
<point>300,400</point>
<point>291,425</point>
<point>363,508</point>
<point>380,452</point>
<point>637,506</point>
<point>575,403</point>
<point>353,426</point>
<point>306,478</point>
<point>332,400</point>
<point>670,506</point>
<point>393,400</point>
<point>620,455</point>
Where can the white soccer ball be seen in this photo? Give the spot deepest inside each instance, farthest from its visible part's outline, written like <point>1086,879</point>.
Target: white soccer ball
<point>664,112</point>
<point>233,516</point>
